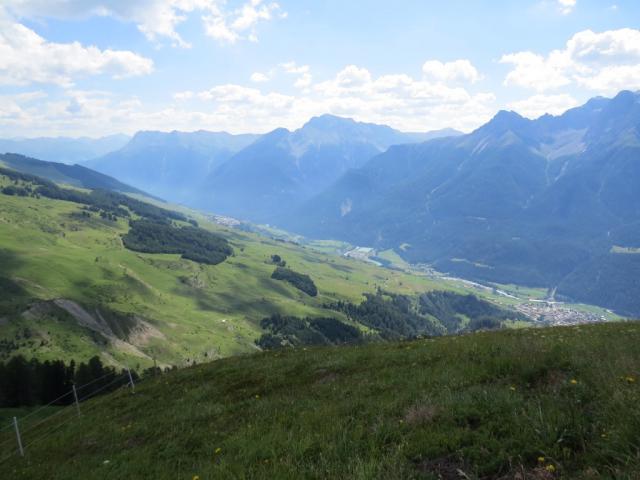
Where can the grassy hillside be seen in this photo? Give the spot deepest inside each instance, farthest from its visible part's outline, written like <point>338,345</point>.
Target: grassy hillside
<point>530,403</point>
<point>154,305</point>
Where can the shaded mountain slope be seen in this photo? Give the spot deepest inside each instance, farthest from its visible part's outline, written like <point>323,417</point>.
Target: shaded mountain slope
<point>75,175</point>
<point>517,200</point>
<point>171,165</point>
<point>274,175</point>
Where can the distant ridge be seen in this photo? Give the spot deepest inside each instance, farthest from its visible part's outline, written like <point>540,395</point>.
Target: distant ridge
<point>171,165</point>
<point>548,202</point>
<point>64,149</point>
<point>75,175</point>
<point>276,174</point>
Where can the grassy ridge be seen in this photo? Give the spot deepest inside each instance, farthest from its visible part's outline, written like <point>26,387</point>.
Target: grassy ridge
<point>542,404</point>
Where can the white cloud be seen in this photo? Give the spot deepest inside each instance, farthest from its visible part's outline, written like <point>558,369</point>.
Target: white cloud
<point>537,105</point>
<point>456,71</point>
<point>399,100</point>
<point>566,6</point>
<point>304,81</point>
<point>604,62</point>
<point>352,78</point>
<point>159,19</point>
<point>537,72</point>
<point>294,68</point>
<point>26,57</point>
<point>303,71</point>
<point>259,77</point>
<point>395,99</point>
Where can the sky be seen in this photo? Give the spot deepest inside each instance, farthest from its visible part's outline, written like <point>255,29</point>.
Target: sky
<point>95,67</point>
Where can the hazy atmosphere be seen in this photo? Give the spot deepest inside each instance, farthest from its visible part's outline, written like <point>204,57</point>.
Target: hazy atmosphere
<point>320,239</point>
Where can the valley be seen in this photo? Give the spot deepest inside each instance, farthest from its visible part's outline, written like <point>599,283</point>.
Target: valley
<point>84,282</point>
<point>278,239</point>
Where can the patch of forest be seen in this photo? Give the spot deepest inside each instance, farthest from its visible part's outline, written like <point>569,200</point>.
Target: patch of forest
<point>393,316</point>
<point>448,307</point>
<point>283,331</point>
<point>26,383</point>
<point>192,243</point>
<point>302,282</point>
<point>397,316</point>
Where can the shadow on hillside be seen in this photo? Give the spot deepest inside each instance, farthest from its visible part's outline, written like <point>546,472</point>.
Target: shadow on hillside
<point>10,290</point>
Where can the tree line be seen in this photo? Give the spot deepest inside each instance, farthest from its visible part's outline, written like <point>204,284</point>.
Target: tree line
<point>293,331</point>
<point>26,383</point>
<point>192,243</point>
<point>299,280</point>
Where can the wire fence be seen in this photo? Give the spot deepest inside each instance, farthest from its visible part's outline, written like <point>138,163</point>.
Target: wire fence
<point>19,435</point>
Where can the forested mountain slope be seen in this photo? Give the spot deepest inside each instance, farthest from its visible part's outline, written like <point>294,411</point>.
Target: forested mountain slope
<point>550,202</point>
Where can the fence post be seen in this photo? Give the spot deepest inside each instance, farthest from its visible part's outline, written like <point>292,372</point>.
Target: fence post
<point>133,385</point>
<point>15,424</point>
<point>75,397</point>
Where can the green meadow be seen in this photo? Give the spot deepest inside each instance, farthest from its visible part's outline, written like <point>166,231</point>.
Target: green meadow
<point>515,404</point>
<point>195,312</point>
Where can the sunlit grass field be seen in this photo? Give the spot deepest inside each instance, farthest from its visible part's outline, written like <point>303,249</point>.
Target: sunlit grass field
<point>531,403</point>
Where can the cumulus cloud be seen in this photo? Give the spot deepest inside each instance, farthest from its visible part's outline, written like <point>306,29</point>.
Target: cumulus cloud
<point>456,71</point>
<point>259,77</point>
<point>26,57</point>
<point>402,101</point>
<point>396,99</point>
<point>302,71</point>
<point>159,19</point>
<point>537,105</point>
<point>604,62</point>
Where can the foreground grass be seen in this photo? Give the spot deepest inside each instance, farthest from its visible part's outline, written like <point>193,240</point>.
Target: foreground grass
<point>532,403</point>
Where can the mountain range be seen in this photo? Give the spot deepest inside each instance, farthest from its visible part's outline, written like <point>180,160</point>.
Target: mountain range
<point>254,177</point>
<point>171,165</point>
<point>280,171</point>
<point>548,202</point>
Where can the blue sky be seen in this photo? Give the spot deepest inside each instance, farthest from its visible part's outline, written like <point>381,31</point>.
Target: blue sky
<point>92,67</point>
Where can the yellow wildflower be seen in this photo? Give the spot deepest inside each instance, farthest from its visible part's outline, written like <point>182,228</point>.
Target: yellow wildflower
<point>541,459</point>
<point>630,379</point>
<point>573,381</point>
<point>195,477</point>
<point>550,468</point>
<point>218,450</point>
